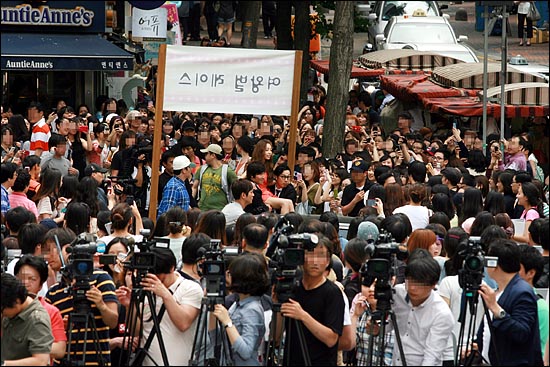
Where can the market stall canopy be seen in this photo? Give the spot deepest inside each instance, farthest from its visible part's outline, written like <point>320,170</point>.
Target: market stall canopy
<point>414,88</point>
<point>357,71</point>
<point>473,106</point>
<point>49,52</point>
<point>522,93</point>
<point>405,59</point>
<point>470,75</point>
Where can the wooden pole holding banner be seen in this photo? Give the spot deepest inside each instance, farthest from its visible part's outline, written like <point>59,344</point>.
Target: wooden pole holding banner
<point>157,134</point>
<point>294,110</point>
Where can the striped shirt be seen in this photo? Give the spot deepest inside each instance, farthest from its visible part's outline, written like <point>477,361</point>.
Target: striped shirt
<point>40,136</point>
<point>60,296</point>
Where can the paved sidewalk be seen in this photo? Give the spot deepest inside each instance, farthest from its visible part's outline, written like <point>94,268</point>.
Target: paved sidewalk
<point>536,53</point>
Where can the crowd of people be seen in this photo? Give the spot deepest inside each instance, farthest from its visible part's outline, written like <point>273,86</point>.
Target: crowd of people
<point>226,177</point>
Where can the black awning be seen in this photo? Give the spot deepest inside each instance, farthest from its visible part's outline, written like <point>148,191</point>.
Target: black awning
<point>28,51</point>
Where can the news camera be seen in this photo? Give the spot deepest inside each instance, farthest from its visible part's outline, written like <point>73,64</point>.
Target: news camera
<point>80,269</point>
<point>383,256</point>
<point>475,261</point>
<point>143,261</point>
<point>127,187</point>
<point>287,252</point>
<point>213,267</point>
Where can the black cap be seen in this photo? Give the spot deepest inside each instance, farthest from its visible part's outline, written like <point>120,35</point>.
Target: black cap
<point>92,167</point>
<point>360,165</point>
<point>188,125</point>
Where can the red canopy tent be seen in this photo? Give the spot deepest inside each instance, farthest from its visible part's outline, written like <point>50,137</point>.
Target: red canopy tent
<point>322,66</point>
<point>414,88</point>
<point>473,106</point>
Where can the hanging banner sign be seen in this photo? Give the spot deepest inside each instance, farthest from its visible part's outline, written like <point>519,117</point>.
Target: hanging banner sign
<point>149,23</point>
<point>209,79</point>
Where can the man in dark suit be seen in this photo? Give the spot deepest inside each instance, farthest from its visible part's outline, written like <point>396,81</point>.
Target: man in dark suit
<point>514,338</point>
<point>283,187</point>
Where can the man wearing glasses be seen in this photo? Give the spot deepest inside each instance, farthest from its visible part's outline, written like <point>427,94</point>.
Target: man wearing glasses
<point>283,188</point>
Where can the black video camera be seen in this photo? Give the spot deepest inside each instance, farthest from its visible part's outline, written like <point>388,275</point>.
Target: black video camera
<point>475,261</point>
<point>213,267</point>
<point>383,256</point>
<point>287,252</point>
<point>128,187</point>
<point>143,261</point>
<point>80,269</point>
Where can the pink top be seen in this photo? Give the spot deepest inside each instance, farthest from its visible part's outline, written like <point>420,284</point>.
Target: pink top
<point>20,199</point>
<point>530,215</point>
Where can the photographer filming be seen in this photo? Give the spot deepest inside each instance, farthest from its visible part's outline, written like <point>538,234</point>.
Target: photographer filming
<point>424,320</point>
<point>514,338</point>
<point>319,305</point>
<point>180,297</point>
<point>84,291</point>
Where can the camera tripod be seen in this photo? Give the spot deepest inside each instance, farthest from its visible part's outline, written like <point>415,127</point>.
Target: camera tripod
<point>206,352</point>
<point>469,301</point>
<point>134,320</point>
<point>383,315</point>
<point>271,358</point>
<point>83,318</point>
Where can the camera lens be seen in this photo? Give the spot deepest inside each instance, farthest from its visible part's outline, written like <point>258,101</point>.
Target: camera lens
<point>474,263</point>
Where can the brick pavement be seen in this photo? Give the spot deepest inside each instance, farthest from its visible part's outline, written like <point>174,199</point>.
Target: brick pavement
<point>536,53</point>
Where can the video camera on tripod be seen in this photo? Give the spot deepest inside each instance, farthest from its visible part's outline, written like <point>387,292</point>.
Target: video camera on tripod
<point>383,256</point>
<point>471,274</point>
<point>80,269</point>
<point>287,252</point>
<point>213,267</point>
<point>143,260</point>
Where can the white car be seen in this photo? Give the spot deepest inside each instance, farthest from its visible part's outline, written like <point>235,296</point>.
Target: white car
<point>425,33</point>
<point>382,11</point>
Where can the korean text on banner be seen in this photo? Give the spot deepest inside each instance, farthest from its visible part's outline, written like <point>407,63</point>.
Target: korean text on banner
<point>208,79</point>
<point>149,23</point>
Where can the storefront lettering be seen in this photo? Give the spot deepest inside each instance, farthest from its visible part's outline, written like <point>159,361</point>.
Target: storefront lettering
<point>26,64</point>
<point>27,15</point>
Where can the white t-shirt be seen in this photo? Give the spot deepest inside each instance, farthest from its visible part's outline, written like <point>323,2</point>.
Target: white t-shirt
<point>232,212</point>
<point>418,215</point>
<point>179,345</point>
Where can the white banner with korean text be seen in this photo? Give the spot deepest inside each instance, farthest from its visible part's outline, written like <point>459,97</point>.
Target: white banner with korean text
<point>210,79</point>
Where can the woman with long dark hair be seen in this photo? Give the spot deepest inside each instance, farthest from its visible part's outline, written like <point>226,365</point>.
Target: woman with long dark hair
<point>504,185</point>
<point>19,127</point>
<point>529,197</point>
<point>80,142</point>
<point>482,221</point>
<point>472,204</point>
<point>494,203</point>
<point>47,198</point>
<point>212,223</point>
